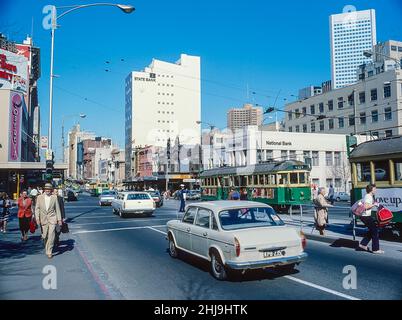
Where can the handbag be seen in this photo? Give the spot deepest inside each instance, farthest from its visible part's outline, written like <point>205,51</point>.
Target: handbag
<point>384,216</point>
<point>358,208</point>
<point>33,226</point>
<point>64,228</point>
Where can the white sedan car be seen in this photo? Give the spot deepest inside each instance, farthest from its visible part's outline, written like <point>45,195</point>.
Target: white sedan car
<point>236,235</point>
<point>133,203</point>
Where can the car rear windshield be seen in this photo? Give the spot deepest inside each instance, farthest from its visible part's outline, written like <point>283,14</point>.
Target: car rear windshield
<point>138,196</point>
<point>108,193</point>
<point>246,218</point>
<point>154,194</point>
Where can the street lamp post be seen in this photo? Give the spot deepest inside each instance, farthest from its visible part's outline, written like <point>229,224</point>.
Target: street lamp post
<point>54,18</point>
<point>82,116</point>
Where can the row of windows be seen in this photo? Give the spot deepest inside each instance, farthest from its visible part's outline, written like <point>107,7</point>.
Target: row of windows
<point>382,171</point>
<point>167,103</point>
<point>167,112</point>
<point>168,94</point>
<point>341,121</point>
<point>167,85</point>
<point>395,48</point>
<point>341,103</point>
<point>165,121</point>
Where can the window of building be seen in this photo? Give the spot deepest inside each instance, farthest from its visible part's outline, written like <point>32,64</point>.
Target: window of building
<point>373,94</point>
<point>284,155</point>
<point>340,103</point>
<point>307,157</point>
<point>330,105</point>
<point>331,124</point>
<point>270,154</point>
<point>290,129</point>
<point>292,155</point>
<point>387,91</point>
<point>375,134</point>
<point>322,125</point>
<point>328,182</point>
<point>290,116</point>
<point>338,183</point>
<point>304,111</point>
<point>304,128</point>
<point>297,128</point>
<point>351,120</point>
<point>297,113</point>
<point>337,158</point>
<point>329,159</point>
<point>313,127</point>
<point>321,107</point>
<point>362,97</point>
<point>312,109</point>
<point>341,123</point>
<point>363,118</point>
<point>388,114</point>
<point>388,133</point>
<point>351,100</point>
<point>315,159</point>
<point>374,116</point>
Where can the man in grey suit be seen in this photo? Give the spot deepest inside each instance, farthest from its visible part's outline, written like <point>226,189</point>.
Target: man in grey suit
<point>48,215</point>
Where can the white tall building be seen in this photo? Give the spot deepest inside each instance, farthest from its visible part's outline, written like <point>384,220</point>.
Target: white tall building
<point>163,101</point>
<point>351,34</point>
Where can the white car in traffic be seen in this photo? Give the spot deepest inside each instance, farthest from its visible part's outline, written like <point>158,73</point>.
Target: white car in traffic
<point>127,203</point>
<point>236,235</point>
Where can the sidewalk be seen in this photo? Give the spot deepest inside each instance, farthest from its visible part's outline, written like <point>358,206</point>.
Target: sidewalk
<point>23,268</point>
<point>339,233</point>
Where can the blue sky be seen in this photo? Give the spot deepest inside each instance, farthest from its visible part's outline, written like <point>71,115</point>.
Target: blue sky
<point>270,46</point>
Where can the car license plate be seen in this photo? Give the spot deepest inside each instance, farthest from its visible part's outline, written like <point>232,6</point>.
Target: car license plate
<point>273,254</point>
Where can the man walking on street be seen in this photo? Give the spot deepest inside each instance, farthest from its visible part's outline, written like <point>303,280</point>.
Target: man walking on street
<point>182,198</point>
<point>331,194</point>
<point>60,199</point>
<point>48,215</point>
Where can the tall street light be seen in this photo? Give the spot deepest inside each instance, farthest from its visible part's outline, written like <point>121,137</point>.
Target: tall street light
<point>82,116</point>
<point>54,18</point>
<point>211,141</point>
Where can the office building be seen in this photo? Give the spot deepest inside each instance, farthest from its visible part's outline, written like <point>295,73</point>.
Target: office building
<point>238,118</point>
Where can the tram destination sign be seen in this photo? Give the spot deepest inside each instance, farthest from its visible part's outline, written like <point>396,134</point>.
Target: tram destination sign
<point>301,167</point>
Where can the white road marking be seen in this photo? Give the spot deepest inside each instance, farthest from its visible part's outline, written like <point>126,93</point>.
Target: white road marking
<point>306,283</point>
<point>336,293</point>
<point>117,229</point>
<point>116,221</point>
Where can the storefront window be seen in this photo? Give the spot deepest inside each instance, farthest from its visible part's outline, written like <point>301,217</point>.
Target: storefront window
<point>363,172</point>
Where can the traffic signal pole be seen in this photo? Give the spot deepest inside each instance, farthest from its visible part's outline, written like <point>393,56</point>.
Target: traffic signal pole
<point>18,185</point>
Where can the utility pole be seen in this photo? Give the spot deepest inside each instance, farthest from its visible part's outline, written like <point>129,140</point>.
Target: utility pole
<point>168,164</point>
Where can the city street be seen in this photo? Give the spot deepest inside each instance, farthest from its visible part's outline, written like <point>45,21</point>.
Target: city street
<point>106,257</point>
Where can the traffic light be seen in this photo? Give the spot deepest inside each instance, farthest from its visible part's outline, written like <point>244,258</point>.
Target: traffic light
<point>351,143</point>
<point>49,168</point>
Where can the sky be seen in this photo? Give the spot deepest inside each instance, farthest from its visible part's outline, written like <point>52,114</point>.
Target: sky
<point>273,48</point>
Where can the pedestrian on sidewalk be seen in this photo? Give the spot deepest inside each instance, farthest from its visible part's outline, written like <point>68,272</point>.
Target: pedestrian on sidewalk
<point>331,194</point>
<point>182,198</point>
<point>24,214</point>
<point>234,195</point>
<point>60,200</point>
<point>369,222</point>
<point>243,194</point>
<point>5,204</point>
<point>48,215</point>
<point>321,211</point>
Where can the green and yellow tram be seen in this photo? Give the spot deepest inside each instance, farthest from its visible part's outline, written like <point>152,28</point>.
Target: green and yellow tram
<point>279,184</point>
<point>379,162</point>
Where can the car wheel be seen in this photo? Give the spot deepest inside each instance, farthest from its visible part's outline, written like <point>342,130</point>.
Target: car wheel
<point>338,199</point>
<point>121,214</point>
<point>173,251</point>
<point>217,267</point>
<point>149,214</point>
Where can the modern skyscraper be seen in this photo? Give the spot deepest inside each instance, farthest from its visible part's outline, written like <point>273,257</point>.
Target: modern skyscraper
<point>352,33</point>
<point>246,116</point>
<point>163,101</point>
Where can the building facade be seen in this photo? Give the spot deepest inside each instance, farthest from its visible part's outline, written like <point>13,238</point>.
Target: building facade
<point>372,106</point>
<point>351,34</point>
<point>238,118</point>
<point>326,154</point>
<point>163,101</point>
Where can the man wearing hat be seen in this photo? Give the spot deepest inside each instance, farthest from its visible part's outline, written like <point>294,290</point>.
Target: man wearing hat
<point>48,215</point>
<point>182,197</point>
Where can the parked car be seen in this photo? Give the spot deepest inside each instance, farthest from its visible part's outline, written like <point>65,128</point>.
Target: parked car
<point>157,197</point>
<point>127,203</point>
<point>106,197</point>
<point>341,196</point>
<point>194,195</point>
<point>70,195</point>
<point>236,236</point>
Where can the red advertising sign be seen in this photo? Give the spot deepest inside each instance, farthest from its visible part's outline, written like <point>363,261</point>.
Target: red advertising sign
<point>16,103</point>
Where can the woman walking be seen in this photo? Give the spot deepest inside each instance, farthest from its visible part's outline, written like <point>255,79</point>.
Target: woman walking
<point>5,204</point>
<point>24,214</point>
<point>321,211</point>
<point>369,222</point>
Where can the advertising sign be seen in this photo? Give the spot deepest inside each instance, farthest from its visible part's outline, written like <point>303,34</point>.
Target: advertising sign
<point>389,198</point>
<point>13,71</point>
<point>16,102</point>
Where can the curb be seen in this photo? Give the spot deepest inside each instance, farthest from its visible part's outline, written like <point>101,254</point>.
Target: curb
<point>329,240</point>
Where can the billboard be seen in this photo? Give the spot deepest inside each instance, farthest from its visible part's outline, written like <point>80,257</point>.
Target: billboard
<point>13,71</point>
<point>16,110</point>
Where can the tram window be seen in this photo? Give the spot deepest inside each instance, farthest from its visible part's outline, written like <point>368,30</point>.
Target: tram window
<point>398,170</point>
<point>293,178</point>
<point>283,178</point>
<point>381,170</point>
<point>243,181</point>
<point>271,179</point>
<point>363,172</point>
<point>302,178</point>
<point>261,179</point>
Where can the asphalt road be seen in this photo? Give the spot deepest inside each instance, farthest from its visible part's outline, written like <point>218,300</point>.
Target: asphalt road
<point>106,257</point>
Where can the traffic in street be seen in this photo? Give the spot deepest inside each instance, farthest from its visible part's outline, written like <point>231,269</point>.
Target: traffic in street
<point>109,257</point>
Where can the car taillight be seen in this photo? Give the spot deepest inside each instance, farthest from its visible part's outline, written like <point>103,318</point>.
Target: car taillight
<point>124,205</point>
<point>154,204</point>
<point>303,240</point>
<point>237,246</point>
